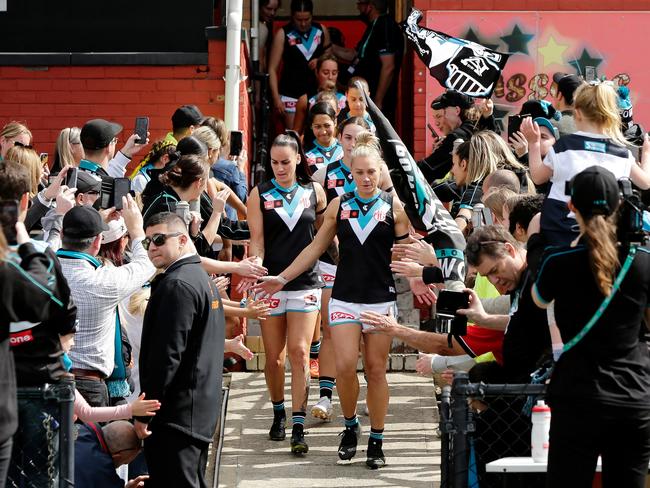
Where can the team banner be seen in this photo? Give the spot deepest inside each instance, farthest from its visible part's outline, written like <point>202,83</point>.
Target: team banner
<point>457,64</point>
<point>424,209</point>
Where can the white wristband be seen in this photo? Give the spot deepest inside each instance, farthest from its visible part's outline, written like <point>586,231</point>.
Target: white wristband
<point>282,279</point>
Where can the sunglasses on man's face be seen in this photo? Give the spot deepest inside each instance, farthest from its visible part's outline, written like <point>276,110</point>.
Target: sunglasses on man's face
<point>20,144</point>
<point>158,239</point>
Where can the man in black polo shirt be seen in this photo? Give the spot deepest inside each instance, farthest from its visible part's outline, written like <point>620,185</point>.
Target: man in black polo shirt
<point>378,56</point>
<point>454,120</point>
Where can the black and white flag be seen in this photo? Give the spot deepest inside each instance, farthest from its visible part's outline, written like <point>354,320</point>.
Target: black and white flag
<point>457,64</point>
<point>423,208</point>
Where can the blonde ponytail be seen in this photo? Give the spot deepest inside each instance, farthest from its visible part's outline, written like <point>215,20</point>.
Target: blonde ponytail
<point>599,104</point>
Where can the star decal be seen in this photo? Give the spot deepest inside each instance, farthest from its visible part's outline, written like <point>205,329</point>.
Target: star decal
<point>552,52</point>
<point>583,61</point>
<point>517,41</point>
<point>471,35</point>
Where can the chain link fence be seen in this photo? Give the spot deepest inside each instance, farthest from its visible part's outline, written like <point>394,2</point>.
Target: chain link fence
<point>480,423</point>
<point>43,449</point>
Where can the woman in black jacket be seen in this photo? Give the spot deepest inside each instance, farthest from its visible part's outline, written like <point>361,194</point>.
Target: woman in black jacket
<point>599,391</point>
<point>186,181</point>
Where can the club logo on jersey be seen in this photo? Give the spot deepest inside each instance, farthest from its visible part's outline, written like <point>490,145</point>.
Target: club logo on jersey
<point>380,215</point>
<point>271,204</point>
<point>294,41</point>
<point>340,315</point>
<point>349,214</point>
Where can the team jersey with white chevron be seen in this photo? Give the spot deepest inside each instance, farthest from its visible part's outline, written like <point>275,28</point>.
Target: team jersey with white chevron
<point>288,215</point>
<point>366,234</point>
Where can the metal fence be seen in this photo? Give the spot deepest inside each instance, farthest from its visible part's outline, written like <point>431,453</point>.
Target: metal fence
<point>43,450</point>
<point>480,423</point>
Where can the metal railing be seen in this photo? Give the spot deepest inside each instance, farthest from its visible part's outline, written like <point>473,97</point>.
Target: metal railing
<point>480,423</point>
<point>43,450</point>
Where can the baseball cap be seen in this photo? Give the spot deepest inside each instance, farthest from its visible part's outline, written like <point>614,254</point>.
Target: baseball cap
<point>594,191</point>
<point>87,182</point>
<point>186,116</point>
<point>116,230</point>
<point>567,85</point>
<point>98,133</point>
<point>82,222</point>
<point>452,98</point>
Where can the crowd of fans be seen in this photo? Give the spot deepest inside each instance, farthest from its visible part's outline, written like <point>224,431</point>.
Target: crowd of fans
<point>129,293</point>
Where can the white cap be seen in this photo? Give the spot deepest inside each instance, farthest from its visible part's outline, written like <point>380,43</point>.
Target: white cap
<point>116,230</point>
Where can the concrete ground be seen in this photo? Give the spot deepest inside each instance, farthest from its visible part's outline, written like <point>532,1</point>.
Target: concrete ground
<point>411,445</point>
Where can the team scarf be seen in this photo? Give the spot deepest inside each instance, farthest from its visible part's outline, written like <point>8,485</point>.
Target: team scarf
<point>457,64</point>
<point>422,206</point>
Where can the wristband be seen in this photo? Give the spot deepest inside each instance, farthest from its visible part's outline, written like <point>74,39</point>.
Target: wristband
<point>282,279</point>
<point>467,220</point>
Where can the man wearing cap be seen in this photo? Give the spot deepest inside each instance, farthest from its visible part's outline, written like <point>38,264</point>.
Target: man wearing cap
<point>566,88</point>
<point>184,120</point>
<point>451,112</point>
<point>89,186</point>
<point>99,138</point>
<point>97,291</point>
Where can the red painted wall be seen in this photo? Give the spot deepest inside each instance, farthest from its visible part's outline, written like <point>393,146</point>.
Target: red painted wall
<point>421,73</point>
<point>49,99</point>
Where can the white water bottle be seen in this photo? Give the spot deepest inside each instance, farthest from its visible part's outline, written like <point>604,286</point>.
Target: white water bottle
<point>539,436</point>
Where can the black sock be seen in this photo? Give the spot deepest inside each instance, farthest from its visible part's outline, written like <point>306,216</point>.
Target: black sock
<point>278,409</point>
<point>326,386</point>
<point>314,350</point>
<point>298,419</point>
<point>376,435</point>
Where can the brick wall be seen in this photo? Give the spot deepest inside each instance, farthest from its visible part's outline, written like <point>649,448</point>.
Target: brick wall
<point>47,99</point>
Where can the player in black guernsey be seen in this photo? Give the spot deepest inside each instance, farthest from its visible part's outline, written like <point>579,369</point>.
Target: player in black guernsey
<point>367,222</point>
<point>282,214</point>
<point>326,148</point>
<point>297,45</point>
<point>337,179</point>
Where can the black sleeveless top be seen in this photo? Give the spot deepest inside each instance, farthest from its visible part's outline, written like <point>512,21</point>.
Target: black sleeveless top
<point>299,49</point>
<point>288,215</point>
<point>366,232</point>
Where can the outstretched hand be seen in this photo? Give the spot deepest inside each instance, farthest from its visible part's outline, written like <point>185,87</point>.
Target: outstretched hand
<point>237,346</point>
<point>424,293</point>
<point>268,286</point>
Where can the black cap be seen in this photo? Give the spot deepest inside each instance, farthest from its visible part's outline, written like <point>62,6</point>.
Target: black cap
<point>186,116</point>
<point>594,191</point>
<point>452,98</point>
<point>87,182</point>
<point>83,222</point>
<point>98,134</point>
<point>567,85</point>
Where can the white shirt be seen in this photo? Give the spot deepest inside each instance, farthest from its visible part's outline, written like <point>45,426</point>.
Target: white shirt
<point>97,292</point>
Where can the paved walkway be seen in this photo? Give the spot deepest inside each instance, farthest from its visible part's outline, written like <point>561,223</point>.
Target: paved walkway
<point>412,448</point>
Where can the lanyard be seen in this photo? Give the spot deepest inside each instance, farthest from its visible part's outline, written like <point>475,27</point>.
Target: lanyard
<point>626,266</point>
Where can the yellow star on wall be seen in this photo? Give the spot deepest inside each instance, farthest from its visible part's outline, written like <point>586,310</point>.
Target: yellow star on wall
<point>552,52</point>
